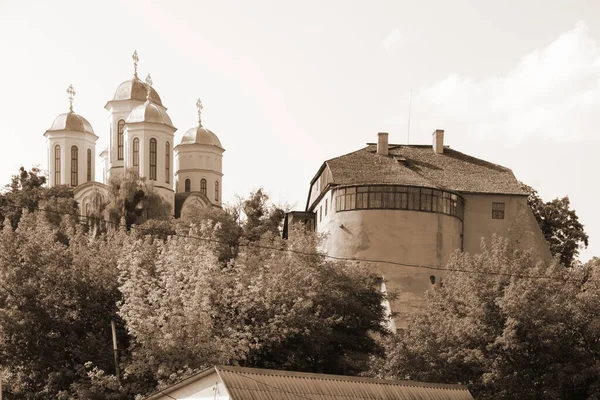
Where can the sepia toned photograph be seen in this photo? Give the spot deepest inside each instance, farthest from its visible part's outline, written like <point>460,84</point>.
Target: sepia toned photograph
<point>282,200</point>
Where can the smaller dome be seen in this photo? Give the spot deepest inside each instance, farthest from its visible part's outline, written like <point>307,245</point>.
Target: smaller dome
<point>136,90</point>
<point>71,122</point>
<point>149,112</point>
<point>201,135</point>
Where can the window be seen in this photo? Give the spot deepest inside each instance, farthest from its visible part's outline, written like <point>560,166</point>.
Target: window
<point>152,159</point>
<point>57,165</point>
<point>188,185</point>
<point>203,186</point>
<point>89,165</point>
<point>217,191</point>
<point>74,157</point>
<point>167,162</point>
<point>497,210</point>
<point>326,204</point>
<point>120,131</point>
<point>136,155</point>
<point>395,197</point>
<point>320,213</point>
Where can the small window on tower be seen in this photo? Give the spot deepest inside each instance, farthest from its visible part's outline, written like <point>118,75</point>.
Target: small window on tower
<point>203,186</point>
<point>120,131</point>
<point>188,185</point>
<point>497,210</point>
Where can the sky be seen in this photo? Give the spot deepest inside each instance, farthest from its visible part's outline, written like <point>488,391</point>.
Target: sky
<point>287,85</point>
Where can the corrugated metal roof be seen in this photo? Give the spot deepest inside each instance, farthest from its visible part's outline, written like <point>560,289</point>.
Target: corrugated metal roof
<point>263,384</point>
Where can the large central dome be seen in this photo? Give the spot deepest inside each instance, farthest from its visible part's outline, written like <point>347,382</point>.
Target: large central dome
<point>136,90</point>
<point>149,112</point>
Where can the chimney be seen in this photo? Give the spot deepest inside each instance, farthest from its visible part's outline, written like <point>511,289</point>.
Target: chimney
<point>438,141</point>
<point>382,143</point>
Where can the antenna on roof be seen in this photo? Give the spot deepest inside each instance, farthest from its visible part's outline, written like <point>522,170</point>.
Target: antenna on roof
<point>409,107</point>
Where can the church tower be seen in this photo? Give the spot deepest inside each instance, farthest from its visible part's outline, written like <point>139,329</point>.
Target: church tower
<point>199,159</point>
<point>71,144</point>
<point>148,144</point>
<point>128,96</point>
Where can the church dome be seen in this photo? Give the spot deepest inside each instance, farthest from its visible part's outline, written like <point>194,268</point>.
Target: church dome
<point>149,112</point>
<point>71,122</point>
<point>135,89</point>
<point>201,135</point>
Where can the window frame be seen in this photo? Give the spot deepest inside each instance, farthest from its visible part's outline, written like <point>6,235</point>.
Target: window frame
<point>203,186</point>
<point>74,166</point>
<point>498,210</point>
<point>216,190</point>
<point>89,165</point>
<point>167,162</point>
<point>135,154</point>
<point>120,138</point>
<point>57,164</point>
<point>187,185</point>
<point>153,159</point>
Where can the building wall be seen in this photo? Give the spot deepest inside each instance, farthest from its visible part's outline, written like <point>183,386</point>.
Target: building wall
<point>196,162</point>
<point>519,224</point>
<point>404,236</point>
<point>66,140</point>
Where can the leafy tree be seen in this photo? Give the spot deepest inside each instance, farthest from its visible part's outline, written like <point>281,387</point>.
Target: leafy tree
<point>268,308</point>
<point>504,335</point>
<point>133,199</point>
<point>560,226</point>
<point>260,217</point>
<point>56,301</point>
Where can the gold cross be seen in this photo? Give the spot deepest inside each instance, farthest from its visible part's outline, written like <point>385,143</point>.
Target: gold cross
<point>71,93</point>
<point>135,59</point>
<point>200,108</point>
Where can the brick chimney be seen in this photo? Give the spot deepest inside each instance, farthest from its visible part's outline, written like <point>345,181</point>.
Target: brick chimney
<point>438,141</point>
<point>382,143</point>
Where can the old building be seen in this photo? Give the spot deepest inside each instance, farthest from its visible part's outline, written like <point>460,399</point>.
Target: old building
<point>237,383</point>
<point>141,137</point>
<point>406,207</point>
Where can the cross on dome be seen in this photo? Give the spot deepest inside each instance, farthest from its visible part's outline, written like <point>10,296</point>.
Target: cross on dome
<point>71,93</point>
<point>135,59</point>
<point>148,86</point>
<point>200,108</point>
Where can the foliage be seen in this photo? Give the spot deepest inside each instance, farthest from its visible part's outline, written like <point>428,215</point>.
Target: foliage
<point>57,298</point>
<point>505,336</point>
<point>132,199</point>
<point>27,192</point>
<point>560,225</point>
<point>273,309</point>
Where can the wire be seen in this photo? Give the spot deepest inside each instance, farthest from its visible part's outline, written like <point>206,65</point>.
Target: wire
<point>323,255</point>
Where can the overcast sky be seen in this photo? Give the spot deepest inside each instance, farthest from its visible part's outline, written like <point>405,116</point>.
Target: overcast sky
<point>289,84</point>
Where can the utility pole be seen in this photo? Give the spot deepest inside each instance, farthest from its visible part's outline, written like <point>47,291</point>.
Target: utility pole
<point>115,351</point>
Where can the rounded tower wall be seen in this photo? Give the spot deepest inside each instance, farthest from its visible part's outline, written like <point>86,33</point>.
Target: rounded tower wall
<point>76,154</point>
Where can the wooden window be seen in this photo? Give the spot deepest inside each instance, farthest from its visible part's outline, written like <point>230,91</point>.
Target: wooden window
<point>120,132</point>
<point>326,204</point>
<point>217,191</point>
<point>89,165</point>
<point>152,159</point>
<point>203,186</point>
<point>168,162</point>
<point>57,165</point>
<point>497,210</point>
<point>74,165</point>
<point>188,186</point>
<point>136,155</point>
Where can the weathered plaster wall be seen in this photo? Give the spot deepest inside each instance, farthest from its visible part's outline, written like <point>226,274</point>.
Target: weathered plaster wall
<point>411,237</point>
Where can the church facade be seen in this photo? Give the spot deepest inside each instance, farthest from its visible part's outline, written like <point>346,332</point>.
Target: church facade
<point>404,209</point>
<point>141,137</point>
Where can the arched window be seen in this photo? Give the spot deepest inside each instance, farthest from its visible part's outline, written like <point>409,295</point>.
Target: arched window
<point>168,162</point>
<point>57,165</point>
<point>74,164</point>
<point>153,159</point>
<point>188,185</point>
<point>217,191</point>
<point>136,155</point>
<point>120,131</point>
<point>203,186</point>
<point>89,165</point>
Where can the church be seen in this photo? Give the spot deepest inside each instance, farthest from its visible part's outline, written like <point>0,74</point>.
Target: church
<point>141,137</point>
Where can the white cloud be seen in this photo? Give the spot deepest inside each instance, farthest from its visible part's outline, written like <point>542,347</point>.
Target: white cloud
<point>552,92</point>
<point>392,41</point>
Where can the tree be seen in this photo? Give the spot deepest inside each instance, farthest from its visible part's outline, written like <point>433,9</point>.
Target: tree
<point>559,224</point>
<point>57,298</point>
<point>132,198</point>
<point>510,329</point>
<point>269,308</point>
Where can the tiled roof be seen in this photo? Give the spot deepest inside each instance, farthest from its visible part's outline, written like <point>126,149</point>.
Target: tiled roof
<point>419,165</point>
<point>263,384</point>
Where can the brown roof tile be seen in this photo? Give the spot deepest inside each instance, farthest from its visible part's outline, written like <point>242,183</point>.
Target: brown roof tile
<point>419,165</point>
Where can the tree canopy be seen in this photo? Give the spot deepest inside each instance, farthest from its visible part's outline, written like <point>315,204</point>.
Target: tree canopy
<point>560,225</point>
<point>513,328</point>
